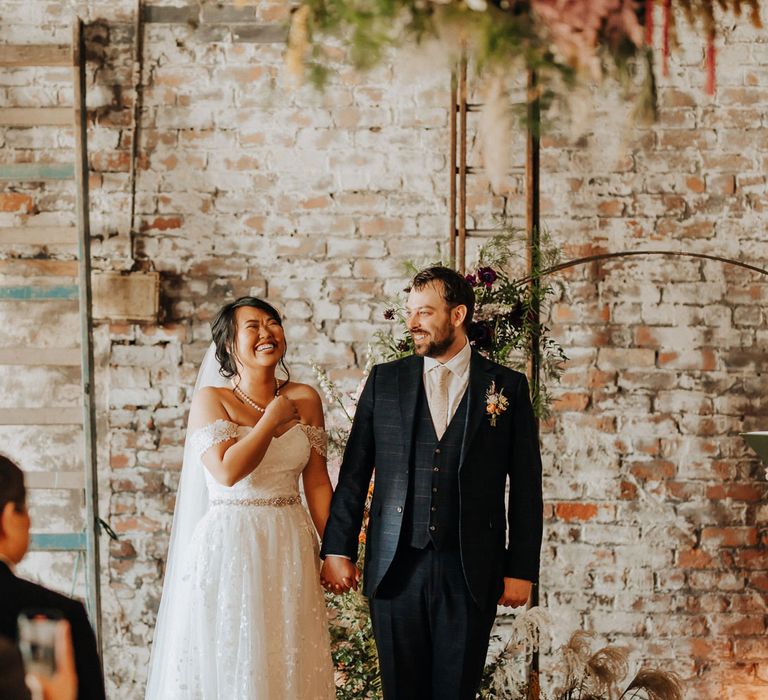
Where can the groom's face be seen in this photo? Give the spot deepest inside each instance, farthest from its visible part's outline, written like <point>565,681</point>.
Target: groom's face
<point>434,326</point>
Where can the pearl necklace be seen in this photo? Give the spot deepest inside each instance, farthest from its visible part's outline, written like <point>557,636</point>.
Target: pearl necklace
<point>249,401</point>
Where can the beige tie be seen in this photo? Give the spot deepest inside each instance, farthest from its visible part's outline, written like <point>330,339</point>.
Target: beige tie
<point>439,403</point>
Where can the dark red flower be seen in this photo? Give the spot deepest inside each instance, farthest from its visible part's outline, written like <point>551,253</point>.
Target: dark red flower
<point>472,280</point>
<point>403,345</point>
<point>487,275</point>
<point>389,314</point>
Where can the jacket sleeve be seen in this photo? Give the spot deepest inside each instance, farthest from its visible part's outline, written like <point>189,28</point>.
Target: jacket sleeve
<point>525,515</point>
<point>89,676</point>
<point>346,518</point>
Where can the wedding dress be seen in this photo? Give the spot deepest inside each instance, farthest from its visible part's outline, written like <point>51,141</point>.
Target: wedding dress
<point>243,615</point>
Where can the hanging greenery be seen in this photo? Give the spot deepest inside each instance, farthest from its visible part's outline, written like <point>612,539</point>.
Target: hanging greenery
<point>562,40</point>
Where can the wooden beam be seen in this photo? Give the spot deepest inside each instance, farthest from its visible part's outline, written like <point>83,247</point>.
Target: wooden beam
<point>36,172</point>
<point>533,264</point>
<point>39,235</point>
<point>532,220</point>
<point>70,415</point>
<point>39,267</point>
<point>452,232</point>
<point>37,116</point>
<point>461,249</point>
<point>51,357</point>
<point>64,292</point>
<point>88,415</point>
<point>59,542</point>
<point>69,481</point>
<point>23,55</point>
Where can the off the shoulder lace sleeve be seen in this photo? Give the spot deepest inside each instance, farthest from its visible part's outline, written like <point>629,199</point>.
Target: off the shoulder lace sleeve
<point>212,434</point>
<point>318,439</point>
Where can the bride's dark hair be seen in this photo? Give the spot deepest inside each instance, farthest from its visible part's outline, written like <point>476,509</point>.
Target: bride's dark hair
<point>224,329</point>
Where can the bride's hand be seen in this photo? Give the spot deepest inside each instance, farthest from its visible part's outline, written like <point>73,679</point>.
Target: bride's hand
<point>283,414</point>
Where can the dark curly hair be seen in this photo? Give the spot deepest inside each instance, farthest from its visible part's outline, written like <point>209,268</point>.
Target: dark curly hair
<point>456,291</point>
<point>11,484</point>
<point>224,330</point>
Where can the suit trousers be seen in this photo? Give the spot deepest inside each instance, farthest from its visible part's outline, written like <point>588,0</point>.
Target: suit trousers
<point>431,636</point>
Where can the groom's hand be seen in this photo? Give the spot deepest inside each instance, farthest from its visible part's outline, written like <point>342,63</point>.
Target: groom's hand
<point>339,574</point>
<point>516,592</point>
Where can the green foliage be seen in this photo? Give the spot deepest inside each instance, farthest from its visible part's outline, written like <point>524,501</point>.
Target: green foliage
<point>353,648</point>
<point>370,27</point>
<point>506,326</point>
<point>505,37</point>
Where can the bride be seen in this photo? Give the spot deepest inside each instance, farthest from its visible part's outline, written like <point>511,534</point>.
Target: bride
<point>243,615</point>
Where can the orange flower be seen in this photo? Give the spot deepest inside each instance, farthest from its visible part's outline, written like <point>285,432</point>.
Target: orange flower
<point>496,403</point>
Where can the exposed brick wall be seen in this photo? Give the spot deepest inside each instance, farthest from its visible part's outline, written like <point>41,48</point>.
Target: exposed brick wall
<point>655,519</point>
<point>656,527</point>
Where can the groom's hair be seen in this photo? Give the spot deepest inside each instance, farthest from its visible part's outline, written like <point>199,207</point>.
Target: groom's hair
<point>11,484</point>
<point>456,290</point>
<point>224,330</point>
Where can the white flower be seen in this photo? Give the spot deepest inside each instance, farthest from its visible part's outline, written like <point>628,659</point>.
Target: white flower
<point>326,385</point>
<point>489,311</point>
<point>477,5</point>
<point>528,629</point>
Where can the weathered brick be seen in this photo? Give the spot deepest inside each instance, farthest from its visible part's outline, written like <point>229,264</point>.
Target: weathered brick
<point>15,202</point>
<point>260,34</point>
<point>625,358</point>
<point>729,536</point>
<point>655,528</point>
<point>171,15</point>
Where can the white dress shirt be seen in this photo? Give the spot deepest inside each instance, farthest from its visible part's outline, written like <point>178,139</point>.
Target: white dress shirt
<point>458,382</point>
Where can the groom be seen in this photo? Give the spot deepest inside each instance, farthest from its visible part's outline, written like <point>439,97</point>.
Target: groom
<point>438,559</point>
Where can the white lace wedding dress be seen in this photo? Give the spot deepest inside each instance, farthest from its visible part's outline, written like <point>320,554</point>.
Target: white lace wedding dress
<point>255,627</point>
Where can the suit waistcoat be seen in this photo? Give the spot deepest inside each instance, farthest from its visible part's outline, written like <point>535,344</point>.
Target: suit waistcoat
<point>432,508</point>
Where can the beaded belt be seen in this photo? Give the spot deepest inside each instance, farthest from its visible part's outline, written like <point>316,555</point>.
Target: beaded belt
<point>277,501</point>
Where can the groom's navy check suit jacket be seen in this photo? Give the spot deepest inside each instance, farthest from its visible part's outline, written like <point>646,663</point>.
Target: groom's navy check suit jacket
<point>382,435</point>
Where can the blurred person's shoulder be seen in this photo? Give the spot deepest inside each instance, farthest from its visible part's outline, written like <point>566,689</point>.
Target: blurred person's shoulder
<point>28,594</point>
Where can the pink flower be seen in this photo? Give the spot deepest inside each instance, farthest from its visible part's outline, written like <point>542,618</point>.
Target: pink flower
<point>577,27</point>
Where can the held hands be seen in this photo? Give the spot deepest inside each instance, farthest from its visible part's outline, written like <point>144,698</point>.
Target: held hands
<point>516,592</point>
<point>339,574</point>
<point>282,413</point>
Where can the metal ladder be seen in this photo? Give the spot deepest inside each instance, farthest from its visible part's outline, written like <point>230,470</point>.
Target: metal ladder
<point>32,277</point>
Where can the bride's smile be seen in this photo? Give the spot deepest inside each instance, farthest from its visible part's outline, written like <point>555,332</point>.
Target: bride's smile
<point>259,339</point>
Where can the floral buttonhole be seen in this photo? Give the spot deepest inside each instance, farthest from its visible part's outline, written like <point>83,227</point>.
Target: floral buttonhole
<point>495,403</point>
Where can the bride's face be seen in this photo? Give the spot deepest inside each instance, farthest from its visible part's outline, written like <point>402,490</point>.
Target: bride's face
<point>259,339</point>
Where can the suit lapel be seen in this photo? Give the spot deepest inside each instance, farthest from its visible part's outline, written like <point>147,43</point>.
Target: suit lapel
<point>480,378</point>
<point>409,382</point>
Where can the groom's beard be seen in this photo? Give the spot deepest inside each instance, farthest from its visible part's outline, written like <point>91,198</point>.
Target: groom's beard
<point>436,346</point>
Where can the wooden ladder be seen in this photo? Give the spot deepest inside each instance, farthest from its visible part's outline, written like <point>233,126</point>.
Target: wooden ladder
<point>39,290</point>
<point>458,231</point>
